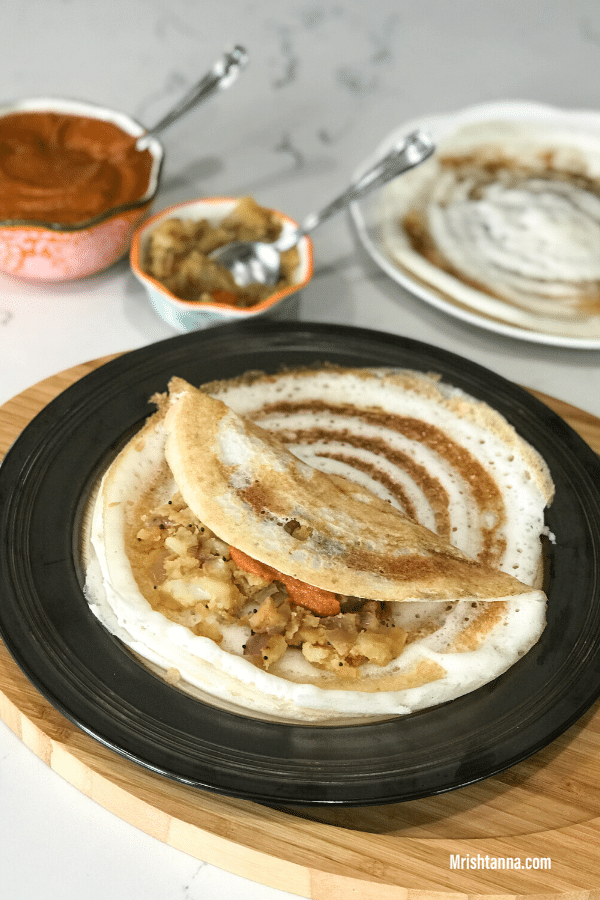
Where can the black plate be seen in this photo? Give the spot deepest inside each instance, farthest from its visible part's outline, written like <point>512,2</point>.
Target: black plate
<point>86,674</point>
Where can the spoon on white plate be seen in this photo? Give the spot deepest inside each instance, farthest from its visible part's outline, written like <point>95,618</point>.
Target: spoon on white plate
<point>258,262</point>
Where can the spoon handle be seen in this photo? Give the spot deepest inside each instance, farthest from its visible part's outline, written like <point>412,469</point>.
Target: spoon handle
<point>223,73</point>
<point>415,148</point>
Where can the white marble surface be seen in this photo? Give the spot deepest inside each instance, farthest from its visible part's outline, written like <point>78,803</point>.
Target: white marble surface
<point>326,82</point>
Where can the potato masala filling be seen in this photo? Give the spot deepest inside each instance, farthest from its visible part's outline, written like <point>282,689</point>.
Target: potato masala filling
<point>195,579</point>
<point>178,255</point>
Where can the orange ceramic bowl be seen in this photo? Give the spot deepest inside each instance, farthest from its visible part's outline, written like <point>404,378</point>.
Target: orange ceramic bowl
<point>185,315</point>
<point>49,251</point>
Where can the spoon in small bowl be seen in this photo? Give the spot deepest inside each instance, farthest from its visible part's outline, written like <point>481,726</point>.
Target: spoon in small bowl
<point>252,262</point>
<point>220,76</point>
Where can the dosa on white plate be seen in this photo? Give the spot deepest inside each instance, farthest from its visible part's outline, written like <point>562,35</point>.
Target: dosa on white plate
<point>323,544</point>
<point>504,220</point>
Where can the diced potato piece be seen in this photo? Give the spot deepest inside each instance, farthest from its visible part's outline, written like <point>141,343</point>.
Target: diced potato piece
<point>327,658</point>
<point>380,648</point>
<point>270,617</point>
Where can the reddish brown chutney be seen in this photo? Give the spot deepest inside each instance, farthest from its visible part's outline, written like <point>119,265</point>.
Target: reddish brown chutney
<point>64,168</point>
<point>317,600</point>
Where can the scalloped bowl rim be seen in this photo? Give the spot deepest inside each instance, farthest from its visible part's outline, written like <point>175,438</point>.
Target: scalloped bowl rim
<point>142,234</point>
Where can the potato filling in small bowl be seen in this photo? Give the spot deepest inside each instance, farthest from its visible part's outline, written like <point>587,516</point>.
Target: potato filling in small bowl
<point>170,256</point>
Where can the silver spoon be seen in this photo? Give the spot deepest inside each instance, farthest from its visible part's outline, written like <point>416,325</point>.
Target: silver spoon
<point>252,262</point>
<point>221,75</point>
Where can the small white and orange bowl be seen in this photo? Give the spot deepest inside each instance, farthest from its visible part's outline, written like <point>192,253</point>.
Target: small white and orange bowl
<point>44,250</point>
<point>186,315</point>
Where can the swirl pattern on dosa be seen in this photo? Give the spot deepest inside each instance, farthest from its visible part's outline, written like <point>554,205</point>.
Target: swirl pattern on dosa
<point>506,220</point>
<point>462,472</point>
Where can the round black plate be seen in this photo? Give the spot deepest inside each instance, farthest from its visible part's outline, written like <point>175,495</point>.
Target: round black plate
<point>92,679</point>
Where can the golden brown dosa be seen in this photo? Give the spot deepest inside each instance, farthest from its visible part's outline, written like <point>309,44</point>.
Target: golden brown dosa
<point>249,488</point>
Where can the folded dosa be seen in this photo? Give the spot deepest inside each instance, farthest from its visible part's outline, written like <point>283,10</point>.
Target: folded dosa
<point>341,460</point>
<point>248,487</point>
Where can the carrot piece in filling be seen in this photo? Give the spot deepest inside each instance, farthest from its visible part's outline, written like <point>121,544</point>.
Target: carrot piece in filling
<point>317,600</point>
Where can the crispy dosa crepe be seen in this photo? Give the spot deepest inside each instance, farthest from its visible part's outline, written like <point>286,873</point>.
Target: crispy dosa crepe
<point>504,221</point>
<point>199,478</point>
<point>247,487</point>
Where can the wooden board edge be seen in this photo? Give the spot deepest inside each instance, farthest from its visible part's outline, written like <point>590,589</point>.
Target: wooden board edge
<point>78,767</point>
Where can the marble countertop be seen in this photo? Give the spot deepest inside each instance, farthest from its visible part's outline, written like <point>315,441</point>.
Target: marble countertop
<point>325,84</point>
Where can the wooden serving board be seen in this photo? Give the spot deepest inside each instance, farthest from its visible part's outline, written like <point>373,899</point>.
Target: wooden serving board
<point>546,808</point>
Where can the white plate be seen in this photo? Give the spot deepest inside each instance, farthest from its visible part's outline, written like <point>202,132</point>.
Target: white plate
<point>482,311</point>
